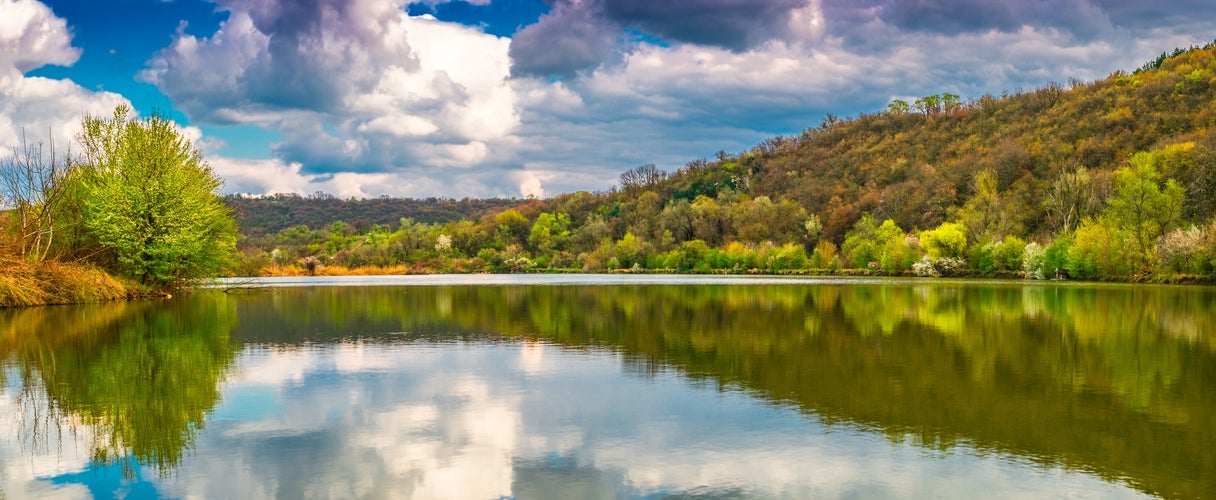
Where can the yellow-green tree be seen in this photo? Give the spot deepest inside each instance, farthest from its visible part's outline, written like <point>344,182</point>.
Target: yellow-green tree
<point>550,232</point>
<point>150,201</point>
<point>949,240</point>
<point>1145,206</point>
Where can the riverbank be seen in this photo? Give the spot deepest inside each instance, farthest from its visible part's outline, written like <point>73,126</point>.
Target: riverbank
<point>54,283</point>
<point>51,283</point>
<point>466,267</point>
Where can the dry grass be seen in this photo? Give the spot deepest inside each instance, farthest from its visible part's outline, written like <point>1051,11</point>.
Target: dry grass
<point>79,283</point>
<point>290,271</point>
<point>26,284</point>
<point>19,284</point>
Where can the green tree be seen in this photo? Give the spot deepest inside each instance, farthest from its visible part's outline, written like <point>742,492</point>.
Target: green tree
<point>1098,250</point>
<point>948,240</point>
<point>861,243</point>
<point>550,232</point>
<point>512,226</point>
<point>150,201</point>
<point>1144,206</point>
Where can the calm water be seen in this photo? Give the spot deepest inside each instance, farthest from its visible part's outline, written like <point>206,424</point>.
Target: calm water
<point>615,387</point>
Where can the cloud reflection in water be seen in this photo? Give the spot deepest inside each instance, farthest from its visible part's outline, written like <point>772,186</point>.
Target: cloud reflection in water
<point>489,420</point>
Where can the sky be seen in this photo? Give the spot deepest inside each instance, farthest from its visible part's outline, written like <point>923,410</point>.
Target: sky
<point>486,98</point>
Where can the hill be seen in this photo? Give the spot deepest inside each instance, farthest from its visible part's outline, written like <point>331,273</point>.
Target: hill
<point>918,163</point>
<point>1095,179</point>
<point>271,214</point>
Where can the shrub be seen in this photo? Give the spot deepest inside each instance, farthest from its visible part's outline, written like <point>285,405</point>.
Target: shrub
<point>924,267</point>
<point>1033,260</point>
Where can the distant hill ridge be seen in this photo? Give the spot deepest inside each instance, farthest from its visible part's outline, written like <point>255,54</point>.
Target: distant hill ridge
<point>271,214</point>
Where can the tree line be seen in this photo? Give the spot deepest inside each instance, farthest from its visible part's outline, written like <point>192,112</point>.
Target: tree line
<point>259,215</point>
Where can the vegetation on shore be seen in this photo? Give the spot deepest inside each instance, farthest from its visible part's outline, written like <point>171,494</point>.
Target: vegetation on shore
<point>136,213</point>
<point>1109,180</point>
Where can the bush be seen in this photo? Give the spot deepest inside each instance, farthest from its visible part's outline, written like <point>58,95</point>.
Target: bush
<point>1184,251</point>
<point>1033,258</point>
<point>824,256</point>
<point>950,266</point>
<point>1055,258</point>
<point>925,268</point>
<point>1098,251</point>
<point>947,240</point>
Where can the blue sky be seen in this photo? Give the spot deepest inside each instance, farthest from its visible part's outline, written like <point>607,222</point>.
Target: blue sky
<point>532,97</point>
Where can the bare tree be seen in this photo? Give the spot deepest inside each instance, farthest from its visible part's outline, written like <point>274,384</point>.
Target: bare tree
<point>642,177</point>
<point>1071,199</point>
<point>32,186</point>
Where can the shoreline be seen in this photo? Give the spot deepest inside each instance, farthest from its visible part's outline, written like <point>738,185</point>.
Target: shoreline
<point>56,283</point>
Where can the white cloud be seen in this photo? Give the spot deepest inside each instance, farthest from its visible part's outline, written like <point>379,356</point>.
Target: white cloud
<point>31,37</point>
<point>274,176</point>
<point>352,86</point>
<point>42,109</point>
<point>35,444</point>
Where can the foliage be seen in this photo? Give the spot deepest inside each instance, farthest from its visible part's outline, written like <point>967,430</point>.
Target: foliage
<point>1189,251</point>
<point>1098,250</point>
<point>1145,205</point>
<point>550,232</point>
<point>266,215</point>
<point>988,215</point>
<point>1071,199</point>
<point>999,256</point>
<point>1034,259</point>
<point>151,201</point>
<point>949,240</point>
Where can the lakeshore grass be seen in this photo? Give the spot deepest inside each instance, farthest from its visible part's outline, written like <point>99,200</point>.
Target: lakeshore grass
<point>28,284</point>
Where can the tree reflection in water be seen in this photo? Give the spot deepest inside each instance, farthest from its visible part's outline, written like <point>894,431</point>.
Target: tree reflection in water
<point>139,377</point>
<point>1119,381</point>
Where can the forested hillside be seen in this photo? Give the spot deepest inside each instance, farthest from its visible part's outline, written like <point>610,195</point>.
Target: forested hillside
<point>271,214</point>
<point>1108,179</point>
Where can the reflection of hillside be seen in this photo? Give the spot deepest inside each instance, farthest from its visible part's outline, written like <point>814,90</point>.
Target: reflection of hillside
<point>141,377</point>
<point>1118,381</point>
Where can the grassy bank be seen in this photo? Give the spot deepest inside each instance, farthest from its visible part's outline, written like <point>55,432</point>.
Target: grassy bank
<point>469,266</point>
<point>50,282</point>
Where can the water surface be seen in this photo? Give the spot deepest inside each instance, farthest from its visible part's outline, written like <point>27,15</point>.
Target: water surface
<point>615,387</point>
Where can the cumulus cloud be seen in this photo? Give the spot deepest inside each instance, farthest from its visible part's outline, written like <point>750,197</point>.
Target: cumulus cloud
<point>356,86</point>
<point>371,101</point>
<point>41,109</point>
<point>732,24</point>
<point>31,37</point>
<point>574,36</point>
<point>581,34</point>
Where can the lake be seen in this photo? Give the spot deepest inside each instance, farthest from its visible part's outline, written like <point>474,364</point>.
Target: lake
<point>619,386</point>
